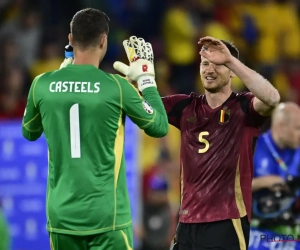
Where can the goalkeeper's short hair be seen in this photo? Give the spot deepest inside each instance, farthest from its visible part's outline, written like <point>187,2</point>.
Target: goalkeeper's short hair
<point>87,27</point>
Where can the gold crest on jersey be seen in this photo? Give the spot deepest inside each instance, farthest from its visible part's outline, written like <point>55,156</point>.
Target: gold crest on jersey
<point>224,115</point>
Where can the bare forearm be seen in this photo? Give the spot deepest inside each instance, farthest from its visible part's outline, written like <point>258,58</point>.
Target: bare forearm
<point>257,184</point>
<point>261,88</point>
<point>265,182</point>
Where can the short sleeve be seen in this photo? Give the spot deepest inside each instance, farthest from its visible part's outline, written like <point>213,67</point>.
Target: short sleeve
<point>253,118</point>
<point>174,105</point>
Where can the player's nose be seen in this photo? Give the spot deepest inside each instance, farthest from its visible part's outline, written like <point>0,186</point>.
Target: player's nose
<point>211,68</point>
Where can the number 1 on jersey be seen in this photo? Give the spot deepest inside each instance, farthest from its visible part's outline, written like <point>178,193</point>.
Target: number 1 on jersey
<point>75,131</point>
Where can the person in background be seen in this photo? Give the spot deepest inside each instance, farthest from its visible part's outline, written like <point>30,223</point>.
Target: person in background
<point>276,159</point>
<point>157,218</point>
<point>284,138</point>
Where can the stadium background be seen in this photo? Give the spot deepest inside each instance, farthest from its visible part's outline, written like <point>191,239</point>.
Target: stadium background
<point>32,39</point>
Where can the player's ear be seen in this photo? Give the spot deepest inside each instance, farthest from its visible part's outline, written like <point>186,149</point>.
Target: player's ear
<point>103,41</point>
<point>70,37</point>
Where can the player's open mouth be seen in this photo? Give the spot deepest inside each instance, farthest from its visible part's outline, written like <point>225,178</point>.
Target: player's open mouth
<point>210,78</point>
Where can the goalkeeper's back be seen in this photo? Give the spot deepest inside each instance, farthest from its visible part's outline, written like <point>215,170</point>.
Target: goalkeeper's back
<point>81,111</point>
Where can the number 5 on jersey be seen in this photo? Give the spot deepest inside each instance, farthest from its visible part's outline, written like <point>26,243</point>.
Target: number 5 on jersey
<point>75,131</point>
<point>204,141</point>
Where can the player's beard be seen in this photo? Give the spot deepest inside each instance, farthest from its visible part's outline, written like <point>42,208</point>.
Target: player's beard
<point>217,86</point>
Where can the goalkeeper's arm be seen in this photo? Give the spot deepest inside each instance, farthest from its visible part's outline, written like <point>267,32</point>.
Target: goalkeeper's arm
<point>147,112</point>
<point>32,127</point>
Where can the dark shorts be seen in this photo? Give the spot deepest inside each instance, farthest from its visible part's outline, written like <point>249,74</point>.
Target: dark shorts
<point>226,235</point>
<point>113,240</point>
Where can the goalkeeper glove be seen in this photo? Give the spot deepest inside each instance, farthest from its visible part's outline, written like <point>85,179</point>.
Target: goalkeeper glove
<point>69,56</point>
<point>141,67</point>
<point>66,62</point>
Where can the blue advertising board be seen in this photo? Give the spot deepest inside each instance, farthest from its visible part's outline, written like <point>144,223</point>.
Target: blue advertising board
<point>23,180</point>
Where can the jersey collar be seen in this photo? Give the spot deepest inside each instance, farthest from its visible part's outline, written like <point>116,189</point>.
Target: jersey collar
<point>83,66</point>
<point>229,98</point>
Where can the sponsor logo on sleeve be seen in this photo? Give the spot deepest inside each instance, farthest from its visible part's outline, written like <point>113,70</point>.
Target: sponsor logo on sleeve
<point>147,107</point>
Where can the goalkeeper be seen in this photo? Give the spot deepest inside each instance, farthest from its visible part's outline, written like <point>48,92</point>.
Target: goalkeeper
<point>82,111</point>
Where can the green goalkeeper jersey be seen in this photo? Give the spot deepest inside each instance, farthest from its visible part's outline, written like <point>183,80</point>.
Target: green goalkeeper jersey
<point>82,111</point>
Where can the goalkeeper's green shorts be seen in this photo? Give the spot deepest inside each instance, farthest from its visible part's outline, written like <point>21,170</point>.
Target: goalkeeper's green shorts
<point>113,240</point>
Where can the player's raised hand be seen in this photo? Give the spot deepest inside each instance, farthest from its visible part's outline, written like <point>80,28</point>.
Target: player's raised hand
<point>69,56</point>
<point>214,50</point>
<point>141,67</point>
<point>66,62</point>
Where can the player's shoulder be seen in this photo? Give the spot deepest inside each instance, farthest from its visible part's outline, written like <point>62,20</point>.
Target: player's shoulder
<point>123,83</point>
<point>121,79</point>
<point>200,97</point>
<point>245,95</point>
<point>179,97</point>
<point>243,100</point>
<point>180,102</point>
<point>43,75</point>
<point>40,77</point>
<point>48,74</point>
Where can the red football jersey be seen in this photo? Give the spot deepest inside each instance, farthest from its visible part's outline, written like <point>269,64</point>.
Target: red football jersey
<point>217,147</point>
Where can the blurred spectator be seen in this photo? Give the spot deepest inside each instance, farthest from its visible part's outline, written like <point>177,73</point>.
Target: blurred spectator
<point>160,168</point>
<point>12,102</point>
<point>284,83</point>
<point>9,54</point>
<point>293,74</point>
<point>162,74</point>
<point>50,58</point>
<point>11,9</point>
<point>268,38</point>
<point>289,43</point>
<point>180,33</point>
<point>266,49</point>
<point>150,163</point>
<point>141,11</point>
<point>26,32</point>
<point>243,27</point>
<point>157,216</point>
